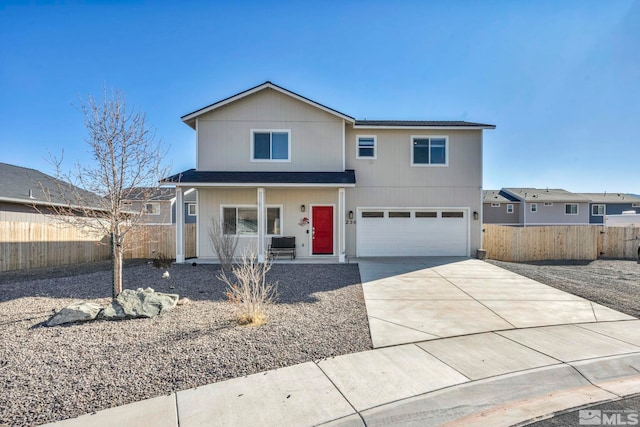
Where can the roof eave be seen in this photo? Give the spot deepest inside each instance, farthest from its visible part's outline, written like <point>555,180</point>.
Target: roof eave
<point>258,184</point>
<point>424,127</point>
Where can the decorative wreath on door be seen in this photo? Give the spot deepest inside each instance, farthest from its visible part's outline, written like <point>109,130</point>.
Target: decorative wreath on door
<point>304,221</point>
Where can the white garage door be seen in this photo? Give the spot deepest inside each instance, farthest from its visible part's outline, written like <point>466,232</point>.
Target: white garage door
<point>413,232</point>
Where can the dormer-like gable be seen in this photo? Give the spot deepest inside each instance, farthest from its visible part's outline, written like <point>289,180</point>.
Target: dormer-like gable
<point>268,128</point>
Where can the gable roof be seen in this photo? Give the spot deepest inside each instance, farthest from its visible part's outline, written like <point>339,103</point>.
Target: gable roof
<point>25,186</point>
<point>421,124</point>
<point>497,196</point>
<point>189,119</point>
<point>264,179</point>
<point>611,197</point>
<point>545,195</point>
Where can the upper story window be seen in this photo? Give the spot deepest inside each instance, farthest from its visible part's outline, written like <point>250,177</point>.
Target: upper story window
<point>152,208</point>
<point>272,145</point>
<point>534,207</point>
<point>191,209</point>
<point>571,209</point>
<point>495,205</point>
<point>366,147</point>
<point>429,151</point>
<point>510,208</point>
<point>597,210</point>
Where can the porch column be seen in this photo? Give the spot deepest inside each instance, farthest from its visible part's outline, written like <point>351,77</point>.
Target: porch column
<point>179,225</point>
<point>341,226</point>
<point>261,224</point>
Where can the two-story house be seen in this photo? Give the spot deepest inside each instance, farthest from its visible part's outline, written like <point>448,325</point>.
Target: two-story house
<point>271,162</point>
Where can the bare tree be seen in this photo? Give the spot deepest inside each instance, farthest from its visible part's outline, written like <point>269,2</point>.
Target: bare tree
<point>127,163</point>
<point>224,244</point>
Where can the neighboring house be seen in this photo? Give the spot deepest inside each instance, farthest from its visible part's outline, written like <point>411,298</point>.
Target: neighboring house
<point>271,162</point>
<point>610,204</point>
<point>550,206</point>
<point>24,190</point>
<point>500,208</point>
<point>160,205</point>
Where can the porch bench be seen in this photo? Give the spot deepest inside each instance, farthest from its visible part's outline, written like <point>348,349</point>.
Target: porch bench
<point>280,245</point>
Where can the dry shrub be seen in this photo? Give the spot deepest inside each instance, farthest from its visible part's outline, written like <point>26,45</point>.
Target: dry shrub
<point>249,290</point>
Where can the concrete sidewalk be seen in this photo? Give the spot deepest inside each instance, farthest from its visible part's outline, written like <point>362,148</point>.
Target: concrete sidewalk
<point>498,370</point>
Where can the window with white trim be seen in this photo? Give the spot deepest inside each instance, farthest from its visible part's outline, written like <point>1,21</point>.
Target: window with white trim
<point>509,208</point>
<point>152,208</point>
<point>495,205</point>
<point>571,209</point>
<point>635,205</point>
<point>429,150</point>
<point>597,210</point>
<point>534,207</point>
<point>270,145</point>
<point>191,209</point>
<point>243,220</point>
<point>366,147</point>
<point>548,203</point>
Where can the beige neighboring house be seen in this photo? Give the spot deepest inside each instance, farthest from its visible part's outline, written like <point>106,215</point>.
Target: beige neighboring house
<point>271,162</point>
<point>160,205</point>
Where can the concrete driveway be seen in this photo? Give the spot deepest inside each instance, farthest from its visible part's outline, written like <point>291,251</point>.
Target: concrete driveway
<point>419,299</point>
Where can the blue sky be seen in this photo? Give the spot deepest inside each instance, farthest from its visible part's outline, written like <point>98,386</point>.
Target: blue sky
<point>560,79</point>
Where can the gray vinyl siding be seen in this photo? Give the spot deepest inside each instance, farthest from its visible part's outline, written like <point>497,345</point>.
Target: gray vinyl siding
<point>224,135</point>
<point>391,181</point>
<point>555,214</point>
<point>499,215</point>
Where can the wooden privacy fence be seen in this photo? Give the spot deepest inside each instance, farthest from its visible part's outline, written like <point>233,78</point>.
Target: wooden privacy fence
<point>151,240</point>
<point>25,245</point>
<point>570,242</point>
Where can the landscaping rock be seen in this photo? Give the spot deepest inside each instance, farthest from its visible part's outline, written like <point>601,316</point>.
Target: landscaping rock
<point>132,304</point>
<point>76,312</point>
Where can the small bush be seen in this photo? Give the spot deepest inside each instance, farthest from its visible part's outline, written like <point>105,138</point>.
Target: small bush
<point>249,290</point>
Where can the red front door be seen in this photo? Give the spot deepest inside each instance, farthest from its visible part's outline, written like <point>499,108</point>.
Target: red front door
<point>322,230</point>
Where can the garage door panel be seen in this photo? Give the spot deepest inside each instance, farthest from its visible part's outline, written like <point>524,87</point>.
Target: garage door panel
<point>412,236</point>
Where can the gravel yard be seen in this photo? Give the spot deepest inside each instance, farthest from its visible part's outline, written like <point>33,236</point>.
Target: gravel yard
<point>612,283</point>
<point>49,374</point>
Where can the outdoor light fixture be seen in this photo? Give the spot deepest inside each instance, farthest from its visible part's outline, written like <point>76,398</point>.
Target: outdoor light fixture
<point>475,215</point>
<point>350,214</point>
<point>302,208</point>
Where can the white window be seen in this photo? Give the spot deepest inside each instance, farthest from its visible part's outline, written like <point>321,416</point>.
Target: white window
<point>509,208</point>
<point>534,207</point>
<point>597,210</point>
<point>571,209</point>
<point>429,151</point>
<point>191,209</point>
<point>366,147</point>
<point>152,208</point>
<point>270,145</point>
<point>548,204</point>
<point>495,205</point>
<point>243,220</point>
<point>635,205</point>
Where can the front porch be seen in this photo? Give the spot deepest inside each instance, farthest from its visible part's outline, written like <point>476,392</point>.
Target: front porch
<point>312,212</point>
